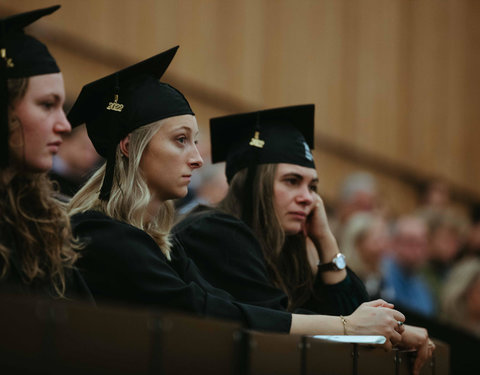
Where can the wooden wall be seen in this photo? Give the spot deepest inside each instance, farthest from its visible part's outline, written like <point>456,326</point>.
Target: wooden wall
<point>395,82</point>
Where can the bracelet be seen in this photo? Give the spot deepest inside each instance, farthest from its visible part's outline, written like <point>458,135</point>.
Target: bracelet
<point>344,322</point>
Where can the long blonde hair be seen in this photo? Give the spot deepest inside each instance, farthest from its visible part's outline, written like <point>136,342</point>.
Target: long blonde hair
<point>130,195</point>
<point>455,290</point>
<point>285,256</point>
<point>32,222</point>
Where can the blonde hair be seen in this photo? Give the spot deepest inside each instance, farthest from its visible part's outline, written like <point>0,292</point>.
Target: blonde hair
<point>33,223</point>
<point>285,256</point>
<point>356,228</point>
<point>454,293</point>
<point>130,195</point>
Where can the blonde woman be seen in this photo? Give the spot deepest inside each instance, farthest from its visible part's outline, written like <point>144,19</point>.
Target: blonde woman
<point>460,297</point>
<point>146,130</point>
<point>36,253</point>
<point>364,241</point>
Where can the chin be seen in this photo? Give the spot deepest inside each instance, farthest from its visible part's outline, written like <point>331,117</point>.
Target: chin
<point>177,194</point>
<point>292,230</point>
<point>39,168</point>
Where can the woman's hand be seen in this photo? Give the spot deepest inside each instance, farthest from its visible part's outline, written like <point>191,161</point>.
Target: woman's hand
<point>417,338</point>
<point>316,226</point>
<point>377,318</point>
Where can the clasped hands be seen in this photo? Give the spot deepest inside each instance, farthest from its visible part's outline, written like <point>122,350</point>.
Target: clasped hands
<point>380,318</point>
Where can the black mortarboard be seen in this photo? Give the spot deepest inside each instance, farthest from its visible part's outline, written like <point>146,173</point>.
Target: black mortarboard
<point>21,56</point>
<point>280,135</point>
<point>117,104</point>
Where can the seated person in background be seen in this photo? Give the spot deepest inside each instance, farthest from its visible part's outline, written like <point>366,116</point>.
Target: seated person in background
<point>358,193</point>
<point>460,296</point>
<point>404,283</point>
<point>446,235</point>
<point>471,247</point>
<point>211,188</point>
<point>365,241</point>
<point>270,236</point>
<point>74,162</point>
<point>36,255</point>
<point>147,132</point>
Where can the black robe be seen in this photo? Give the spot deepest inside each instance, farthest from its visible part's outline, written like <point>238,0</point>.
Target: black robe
<point>229,256</point>
<point>123,263</point>
<point>13,282</point>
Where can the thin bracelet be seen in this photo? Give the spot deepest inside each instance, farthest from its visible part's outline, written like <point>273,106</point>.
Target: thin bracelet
<point>344,322</point>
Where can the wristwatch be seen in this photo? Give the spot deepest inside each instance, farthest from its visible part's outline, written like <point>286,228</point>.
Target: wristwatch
<point>338,263</point>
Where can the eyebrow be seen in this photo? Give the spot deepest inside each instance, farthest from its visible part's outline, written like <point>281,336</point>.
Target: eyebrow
<point>299,176</point>
<point>56,96</point>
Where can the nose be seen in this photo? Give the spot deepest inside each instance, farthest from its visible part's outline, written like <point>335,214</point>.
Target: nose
<point>196,160</point>
<point>62,125</point>
<point>305,196</point>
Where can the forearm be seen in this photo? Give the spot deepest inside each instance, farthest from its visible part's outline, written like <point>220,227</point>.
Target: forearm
<point>316,325</point>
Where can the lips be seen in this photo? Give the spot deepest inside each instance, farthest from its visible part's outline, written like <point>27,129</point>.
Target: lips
<point>298,214</point>
<point>54,146</point>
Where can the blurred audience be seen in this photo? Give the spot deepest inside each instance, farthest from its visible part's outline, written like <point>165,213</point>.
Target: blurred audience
<point>358,193</point>
<point>446,235</point>
<point>365,240</point>
<point>404,284</point>
<point>208,187</point>
<point>461,296</point>
<point>436,195</point>
<point>75,162</point>
<point>472,243</point>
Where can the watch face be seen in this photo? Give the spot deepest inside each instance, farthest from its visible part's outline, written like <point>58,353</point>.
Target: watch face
<point>340,261</point>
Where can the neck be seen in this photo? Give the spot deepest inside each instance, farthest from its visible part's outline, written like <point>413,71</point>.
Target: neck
<point>152,209</point>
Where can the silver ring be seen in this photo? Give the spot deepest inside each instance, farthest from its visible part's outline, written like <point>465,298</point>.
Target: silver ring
<point>399,323</point>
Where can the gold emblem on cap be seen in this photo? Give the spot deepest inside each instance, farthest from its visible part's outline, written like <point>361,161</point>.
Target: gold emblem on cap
<point>257,142</point>
<point>115,105</point>
<point>8,61</point>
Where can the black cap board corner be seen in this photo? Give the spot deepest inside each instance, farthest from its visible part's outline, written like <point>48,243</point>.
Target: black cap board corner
<point>278,135</point>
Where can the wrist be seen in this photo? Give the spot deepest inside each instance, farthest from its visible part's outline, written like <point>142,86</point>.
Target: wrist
<point>325,244</point>
<point>338,263</point>
<point>344,323</point>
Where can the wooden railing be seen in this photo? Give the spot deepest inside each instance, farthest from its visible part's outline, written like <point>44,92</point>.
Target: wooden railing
<point>44,337</point>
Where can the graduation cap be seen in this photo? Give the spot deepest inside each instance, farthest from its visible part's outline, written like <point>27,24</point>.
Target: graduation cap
<point>21,56</point>
<point>246,140</point>
<point>119,103</point>
<point>280,135</point>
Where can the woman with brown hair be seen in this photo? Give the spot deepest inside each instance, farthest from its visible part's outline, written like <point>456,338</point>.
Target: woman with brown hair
<point>36,254</point>
<point>271,230</point>
<point>268,242</point>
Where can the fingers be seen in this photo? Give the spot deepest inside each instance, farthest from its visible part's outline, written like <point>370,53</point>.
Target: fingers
<point>379,303</point>
<point>395,337</point>
<point>387,346</point>
<point>398,316</point>
<point>423,354</point>
<point>399,327</point>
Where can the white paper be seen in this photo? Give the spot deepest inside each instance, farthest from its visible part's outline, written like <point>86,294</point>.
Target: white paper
<point>353,339</point>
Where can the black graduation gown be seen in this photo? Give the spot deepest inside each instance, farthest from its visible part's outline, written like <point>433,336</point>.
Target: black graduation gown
<point>123,263</point>
<point>229,257</point>
<point>75,286</point>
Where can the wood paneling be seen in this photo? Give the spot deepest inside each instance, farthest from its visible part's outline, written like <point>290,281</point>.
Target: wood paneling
<point>397,80</point>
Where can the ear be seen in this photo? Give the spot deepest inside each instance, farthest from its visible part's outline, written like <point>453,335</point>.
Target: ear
<point>124,145</point>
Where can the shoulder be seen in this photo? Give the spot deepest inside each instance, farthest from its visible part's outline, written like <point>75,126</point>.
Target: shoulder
<point>106,235</point>
<point>210,220</point>
<point>95,221</point>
